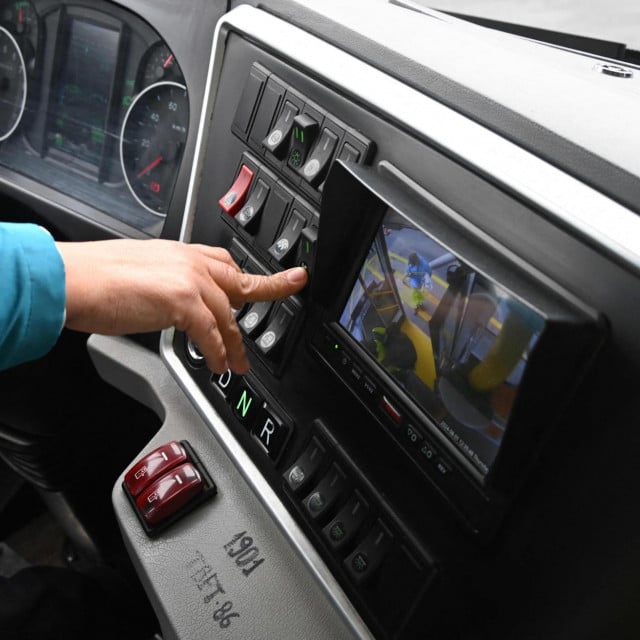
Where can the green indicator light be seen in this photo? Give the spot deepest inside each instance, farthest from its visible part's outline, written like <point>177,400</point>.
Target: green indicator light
<point>58,140</point>
<point>307,247</point>
<point>302,136</point>
<point>336,346</point>
<point>130,83</point>
<point>126,101</point>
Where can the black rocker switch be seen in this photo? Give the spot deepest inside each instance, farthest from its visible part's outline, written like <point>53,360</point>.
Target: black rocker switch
<point>278,139</point>
<point>249,216</point>
<point>305,130</point>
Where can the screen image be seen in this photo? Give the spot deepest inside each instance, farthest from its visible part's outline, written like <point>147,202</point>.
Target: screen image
<point>454,340</point>
<point>84,91</point>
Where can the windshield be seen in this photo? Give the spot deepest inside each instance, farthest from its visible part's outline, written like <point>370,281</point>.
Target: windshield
<point>617,22</point>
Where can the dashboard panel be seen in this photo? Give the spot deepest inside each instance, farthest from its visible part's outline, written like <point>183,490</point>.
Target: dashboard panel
<point>98,110</point>
<point>437,435</point>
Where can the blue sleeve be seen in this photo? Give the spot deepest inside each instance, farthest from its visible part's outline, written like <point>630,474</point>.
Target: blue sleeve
<point>32,282</point>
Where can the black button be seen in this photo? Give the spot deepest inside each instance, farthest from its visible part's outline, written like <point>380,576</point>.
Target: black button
<point>225,382</point>
<point>271,431</point>
<point>272,338</point>
<point>250,94</point>
<point>317,164</point>
<point>249,215</point>
<point>363,561</point>
<point>305,130</point>
<point>285,245</point>
<point>344,526</point>
<point>278,139</point>
<point>254,317</point>
<point>301,473</point>
<point>246,402</point>
<point>326,493</point>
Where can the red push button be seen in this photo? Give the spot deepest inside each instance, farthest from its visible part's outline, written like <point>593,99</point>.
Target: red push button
<point>154,465</point>
<point>233,200</point>
<point>170,493</point>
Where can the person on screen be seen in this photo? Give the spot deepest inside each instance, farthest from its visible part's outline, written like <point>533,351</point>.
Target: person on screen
<point>418,277</point>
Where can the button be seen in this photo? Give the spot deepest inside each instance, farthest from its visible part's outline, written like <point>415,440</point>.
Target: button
<point>363,561</point>
<point>246,402</point>
<point>272,338</point>
<point>271,431</point>
<point>287,241</point>
<point>349,153</point>
<point>344,526</point>
<point>301,473</point>
<point>250,95</point>
<point>249,215</point>
<point>326,494</point>
<point>413,436</point>
<point>278,139</point>
<point>305,130</point>
<point>269,103</point>
<point>232,201</point>
<point>317,164</point>
<point>194,355</point>
<point>170,493</point>
<point>307,248</point>
<point>429,452</point>
<point>225,382</point>
<point>254,317</point>
<point>154,465</point>
<point>390,410</point>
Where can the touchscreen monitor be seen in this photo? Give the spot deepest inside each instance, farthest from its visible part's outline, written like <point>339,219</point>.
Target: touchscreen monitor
<point>451,338</point>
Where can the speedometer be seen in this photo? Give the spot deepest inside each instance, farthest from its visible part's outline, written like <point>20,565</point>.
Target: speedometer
<point>13,84</point>
<point>152,142</point>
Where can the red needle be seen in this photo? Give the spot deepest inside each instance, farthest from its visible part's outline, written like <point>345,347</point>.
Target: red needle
<point>151,165</point>
<point>168,61</point>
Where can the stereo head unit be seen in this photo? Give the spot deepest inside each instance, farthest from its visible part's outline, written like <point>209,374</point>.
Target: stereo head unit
<point>464,354</point>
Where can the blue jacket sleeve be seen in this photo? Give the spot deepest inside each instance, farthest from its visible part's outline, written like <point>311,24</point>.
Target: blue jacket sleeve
<point>33,294</point>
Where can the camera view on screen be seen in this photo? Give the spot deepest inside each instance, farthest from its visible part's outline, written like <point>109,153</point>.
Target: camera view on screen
<point>454,340</point>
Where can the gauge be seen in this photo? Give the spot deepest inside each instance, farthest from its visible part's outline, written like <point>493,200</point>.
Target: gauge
<point>152,142</point>
<point>13,84</point>
<point>160,65</point>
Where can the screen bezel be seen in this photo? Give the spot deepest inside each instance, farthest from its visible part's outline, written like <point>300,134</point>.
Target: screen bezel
<point>354,202</point>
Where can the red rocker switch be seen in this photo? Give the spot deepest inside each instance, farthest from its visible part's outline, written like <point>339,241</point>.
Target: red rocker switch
<point>166,484</point>
<point>232,201</point>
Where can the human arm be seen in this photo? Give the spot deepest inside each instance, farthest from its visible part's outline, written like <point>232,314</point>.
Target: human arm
<point>32,293</point>
<point>128,286</point>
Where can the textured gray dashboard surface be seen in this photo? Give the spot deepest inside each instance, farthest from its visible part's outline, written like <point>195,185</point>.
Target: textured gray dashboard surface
<point>280,599</point>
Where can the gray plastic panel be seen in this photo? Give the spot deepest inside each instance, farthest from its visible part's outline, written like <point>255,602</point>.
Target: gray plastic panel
<point>280,599</point>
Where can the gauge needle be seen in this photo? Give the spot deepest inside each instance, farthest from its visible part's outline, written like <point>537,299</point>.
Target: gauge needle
<point>168,61</point>
<point>151,165</point>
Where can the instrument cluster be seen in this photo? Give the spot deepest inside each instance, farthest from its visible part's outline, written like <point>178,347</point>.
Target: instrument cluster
<point>93,104</point>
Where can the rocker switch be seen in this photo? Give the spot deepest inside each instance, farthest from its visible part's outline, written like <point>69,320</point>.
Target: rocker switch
<point>278,139</point>
<point>232,201</point>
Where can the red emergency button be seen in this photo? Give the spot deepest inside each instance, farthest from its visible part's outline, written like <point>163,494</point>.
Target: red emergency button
<point>170,493</point>
<point>154,465</point>
<point>233,200</point>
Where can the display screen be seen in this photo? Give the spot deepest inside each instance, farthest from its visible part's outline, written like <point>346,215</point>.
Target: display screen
<point>83,91</point>
<point>454,340</point>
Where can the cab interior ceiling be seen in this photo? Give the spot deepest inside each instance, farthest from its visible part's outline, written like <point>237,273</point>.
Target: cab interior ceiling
<point>533,534</point>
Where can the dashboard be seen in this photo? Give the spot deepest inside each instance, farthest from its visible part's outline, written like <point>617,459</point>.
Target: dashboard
<point>94,106</point>
<point>437,436</point>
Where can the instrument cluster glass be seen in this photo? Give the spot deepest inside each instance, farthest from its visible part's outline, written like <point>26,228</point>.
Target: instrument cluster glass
<point>93,104</point>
